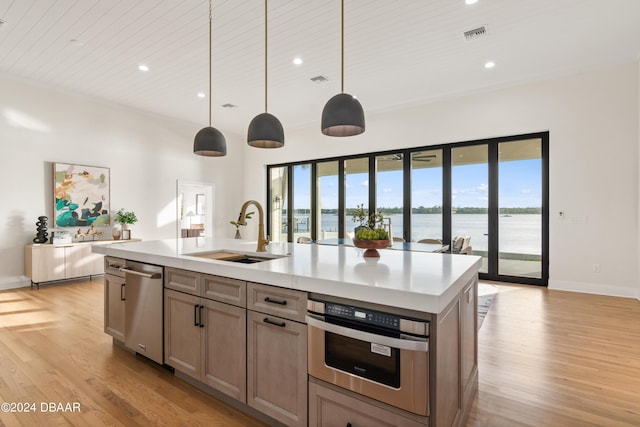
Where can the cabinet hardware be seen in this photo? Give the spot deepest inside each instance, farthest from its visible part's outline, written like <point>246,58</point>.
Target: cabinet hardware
<point>271,322</point>
<point>122,298</point>
<point>195,315</point>
<point>139,273</point>
<point>276,301</point>
<point>348,424</point>
<point>200,309</point>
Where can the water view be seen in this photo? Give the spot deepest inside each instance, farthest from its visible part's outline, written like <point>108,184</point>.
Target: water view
<point>519,233</point>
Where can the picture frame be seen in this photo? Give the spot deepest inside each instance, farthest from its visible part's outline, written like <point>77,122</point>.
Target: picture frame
<point>81,195</point>
<point>201,201</point>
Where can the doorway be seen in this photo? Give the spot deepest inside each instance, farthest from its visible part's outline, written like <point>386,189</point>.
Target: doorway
<point>195,209</point>
<point>499,199</point>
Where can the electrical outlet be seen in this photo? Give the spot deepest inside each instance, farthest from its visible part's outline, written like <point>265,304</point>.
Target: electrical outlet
<point>596,268</point>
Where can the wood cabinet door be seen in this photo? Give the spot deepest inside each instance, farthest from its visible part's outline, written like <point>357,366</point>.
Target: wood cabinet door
<point>224,289</point>
<point>287,303</point>
<point>224,346</point>
<point>182,280</point>
<point>45,263</point>
<point>277,367</point>
<point>328,408</point>
<point>80,261</point>
<point>114,300</point>
<point>182,332</point>
<point>468,336</point>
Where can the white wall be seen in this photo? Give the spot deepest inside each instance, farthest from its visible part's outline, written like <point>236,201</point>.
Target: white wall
<point>593,120</point>
<point>146,154</point>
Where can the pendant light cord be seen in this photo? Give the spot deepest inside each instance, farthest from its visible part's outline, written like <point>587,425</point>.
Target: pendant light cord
<point>342,50</point>
<point>265,56</point>
<point>210,63</point>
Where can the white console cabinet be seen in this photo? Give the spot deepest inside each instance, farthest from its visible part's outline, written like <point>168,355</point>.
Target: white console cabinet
<point>48,262</point>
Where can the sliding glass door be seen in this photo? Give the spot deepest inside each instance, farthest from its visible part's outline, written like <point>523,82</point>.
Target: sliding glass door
<point>470,201</point>
<point>520,222</point>
<point>487,198</point>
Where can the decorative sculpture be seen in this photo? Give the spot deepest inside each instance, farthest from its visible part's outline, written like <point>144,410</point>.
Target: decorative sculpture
<point>41,235</point>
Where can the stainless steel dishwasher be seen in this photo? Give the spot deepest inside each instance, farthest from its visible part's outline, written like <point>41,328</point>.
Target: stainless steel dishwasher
<point>143,309</point>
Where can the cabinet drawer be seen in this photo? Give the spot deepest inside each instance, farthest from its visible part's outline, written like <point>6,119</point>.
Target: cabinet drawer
<point>182,280</point>
<point>328,407</point>
<point>286,303</point>
<point>224,289</point>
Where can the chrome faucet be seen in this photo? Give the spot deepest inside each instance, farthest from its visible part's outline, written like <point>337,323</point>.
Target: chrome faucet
<point>262,241</point>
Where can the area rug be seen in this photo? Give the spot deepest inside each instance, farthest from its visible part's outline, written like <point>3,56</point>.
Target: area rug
<point>486,294</point>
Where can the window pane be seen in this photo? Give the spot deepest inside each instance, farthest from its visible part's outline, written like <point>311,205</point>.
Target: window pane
<point>356,189</point>
<point>426,195</point>
<point>278,187</point>
<point>520,208</point>
<point>470,199</point>
<point>301,201</point>
<point>328,197</point>
<point>389,191</point>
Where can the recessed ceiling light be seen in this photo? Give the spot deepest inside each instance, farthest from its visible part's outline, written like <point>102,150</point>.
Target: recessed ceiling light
<point>490,64</point>
<point>297,60</point>
<point>143,67</point>
<point>471,1</point>
<point>201,95</point>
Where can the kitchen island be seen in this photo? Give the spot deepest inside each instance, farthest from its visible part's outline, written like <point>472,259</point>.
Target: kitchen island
<point>263,306</point>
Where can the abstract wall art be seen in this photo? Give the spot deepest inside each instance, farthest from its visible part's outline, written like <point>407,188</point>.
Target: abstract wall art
<point>81,195</point>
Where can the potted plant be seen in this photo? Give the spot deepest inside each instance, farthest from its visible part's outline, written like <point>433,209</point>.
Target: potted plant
<point>370,234</point>
<point>237,224</point>
<point>124,218</point>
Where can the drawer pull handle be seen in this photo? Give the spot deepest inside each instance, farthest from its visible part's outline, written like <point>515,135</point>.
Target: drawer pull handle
<point>200,310</point>
<point>276,301</point>
<point>195,315</point>
<point>271,322</point>
<point>122,298</point>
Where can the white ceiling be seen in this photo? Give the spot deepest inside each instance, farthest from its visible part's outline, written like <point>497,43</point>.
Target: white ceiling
<point>397,52</point>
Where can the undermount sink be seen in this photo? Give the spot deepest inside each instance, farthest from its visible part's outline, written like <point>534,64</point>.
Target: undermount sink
<point>239,257</point>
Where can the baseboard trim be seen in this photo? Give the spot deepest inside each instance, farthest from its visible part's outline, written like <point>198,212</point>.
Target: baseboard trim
<point>14,283</point>
<point>594,288</point>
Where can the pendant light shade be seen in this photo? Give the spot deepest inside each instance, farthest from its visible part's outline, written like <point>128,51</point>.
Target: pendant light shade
<point>342,115</point>
<point>210,141</point>
<point>265,130</point>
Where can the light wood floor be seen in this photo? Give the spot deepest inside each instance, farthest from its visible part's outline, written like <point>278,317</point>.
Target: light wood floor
<point>546,358</point>
<point>53,349</point>
<point>552,358</point>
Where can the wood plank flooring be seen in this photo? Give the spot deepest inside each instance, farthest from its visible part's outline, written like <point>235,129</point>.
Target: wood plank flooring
<point>546,358</point>
<point>53,349</point>
<point>552,358</point>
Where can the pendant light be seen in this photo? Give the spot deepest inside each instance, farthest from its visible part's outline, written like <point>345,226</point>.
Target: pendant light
<point>342,115</point>
<point>210,141</point>
<point>265,130</point>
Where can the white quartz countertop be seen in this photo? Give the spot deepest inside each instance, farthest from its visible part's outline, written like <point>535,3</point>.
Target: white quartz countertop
<point>425,282</point>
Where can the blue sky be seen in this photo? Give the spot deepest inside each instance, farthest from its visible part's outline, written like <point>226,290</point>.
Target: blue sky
<point>520,186</point>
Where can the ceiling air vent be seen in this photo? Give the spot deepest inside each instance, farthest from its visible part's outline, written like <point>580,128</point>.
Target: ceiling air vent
<point>319,79</point>
<point>476,33</point>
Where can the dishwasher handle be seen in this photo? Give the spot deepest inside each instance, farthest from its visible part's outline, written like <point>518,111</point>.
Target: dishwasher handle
<point>141,274</point>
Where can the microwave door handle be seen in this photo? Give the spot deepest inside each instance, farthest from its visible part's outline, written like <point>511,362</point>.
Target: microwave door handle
<point>402,344</point>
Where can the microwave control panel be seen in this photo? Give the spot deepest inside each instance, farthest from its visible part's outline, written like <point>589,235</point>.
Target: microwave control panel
<point>384,320</point>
